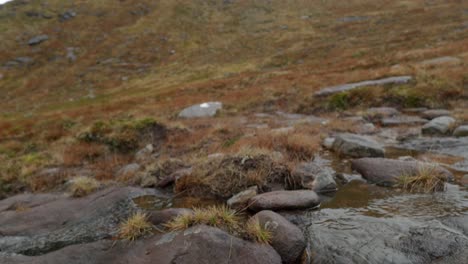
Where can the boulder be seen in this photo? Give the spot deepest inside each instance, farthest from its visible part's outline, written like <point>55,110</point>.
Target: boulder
<point>208,109</point>
<point>350,86</point>
<point>287,239</point>
<point>284,200</point>
<point>386,172</point>
<point>357,146</point>
<point>242,198</point>
<point>37,40</point>
<point>163,216</point>
<point>434,113</point>
<point>198,244</point>
<point>438,126</point>
<point>59,221</point>
<point>316,176</point>
<point>461,131</point>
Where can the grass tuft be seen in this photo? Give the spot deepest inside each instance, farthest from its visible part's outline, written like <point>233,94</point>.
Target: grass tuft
<point>257,232</point>
<point>427,180</point>
<point>135,227</point>
<point>216,216</point>
<point>82,186</point>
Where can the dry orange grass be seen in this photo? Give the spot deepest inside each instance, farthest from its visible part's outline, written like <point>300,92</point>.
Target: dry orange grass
<point>82,152</point>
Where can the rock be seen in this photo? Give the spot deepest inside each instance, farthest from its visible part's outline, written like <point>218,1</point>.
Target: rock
<point>316,176</point>
<point>287,239</point>
<point>345,178</point>
<point>461,131</point>
<point>174,177</point>
<point>349,19</point>
<point>357,146</point>
<point>284,200</point>
<point>431,114</point>
<point>346,87</point>
<point>328,142</point>
<point>442,145</point>
<point>199,244</point>
<point>367,128</point>
<point>403,120</point>
<point>446,61</point>
<point>415,110</point>
<point>438,126</point>
<point>346,236</point>
<point>37,40</point>
<point>163,216</point>
<point>145,153</point>
<point>464,181</point>
<point>61,221</point>
<point>241,199</point>
<point>386,172</point>
<point>67,15</point>
<point>379,112</point>
<point>208,109</point>
<point>128,170</point>
<point>71,57</point>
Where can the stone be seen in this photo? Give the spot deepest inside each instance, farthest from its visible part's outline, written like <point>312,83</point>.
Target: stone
<point>71,56</point>
<point>385,172</point>
<point>357,146</point>
<point>128,170</point>
<point>57,222</point>
<point>67,15</point>
<point>397,80</point>
<point>287,239</point>
<point>442,145</point>
<point>434,113</point>
<point>402,120</point>
<point>208,109</point>
<point>379,112</point>
<point>163,216</point>
<point>241,199</point>
<point>198,244</point>
<point>445,61</point>
<point>317,176</point>
<point>37,40</point>
<point>367,128</point>
<point>345,178</point>
<point>438,126</point>
<point>328,142</point>
<point>284,200</point>
<point>461,131</point>
<point>464,181</point>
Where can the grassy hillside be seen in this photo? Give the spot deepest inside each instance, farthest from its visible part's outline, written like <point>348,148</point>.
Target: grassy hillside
<point>145,58</point>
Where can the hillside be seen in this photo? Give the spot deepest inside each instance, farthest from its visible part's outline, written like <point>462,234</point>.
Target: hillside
<point>95,89</point>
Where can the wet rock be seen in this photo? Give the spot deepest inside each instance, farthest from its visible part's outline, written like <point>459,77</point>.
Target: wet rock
<point>345,236</point>
<point>442,145</point>
<point>199,244</point>
<point>357,146</point>
<point>438,126</point>
<point>434,113</point>
<point>242,198</point>
<point>60,222</point>
<point>461,131</point>
<point>166,215</point>
<point>346,87</point>
<point>386,172</point>
<point>284,200</point>
<point>37,40</point>
<point>208,109</point>
<point>287,239</point>
<point>345,178</point>
<point>316,176</point>
<point>403,120</point>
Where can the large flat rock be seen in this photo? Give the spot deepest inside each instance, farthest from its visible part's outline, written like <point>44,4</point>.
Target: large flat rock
<point>357,146</point>
<point>284,200</point>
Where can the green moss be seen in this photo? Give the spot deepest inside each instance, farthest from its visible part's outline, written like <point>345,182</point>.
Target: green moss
<point>338,101</point>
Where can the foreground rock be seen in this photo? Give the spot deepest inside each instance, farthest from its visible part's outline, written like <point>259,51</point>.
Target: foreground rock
<point>284,200</point>
<point>461,131</point>
<point>439,126</point>
<point>199,244</point>
<point>316,176</point>
<point>208,109</point>
<point>346,87</point>
<point>345,236</point>
<point>357,146</point>
<point>287,240</point>
<point>386,172</point>
<point>53,223</point>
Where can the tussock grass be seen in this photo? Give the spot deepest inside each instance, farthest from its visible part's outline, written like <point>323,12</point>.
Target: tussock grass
<point>82,186</point>
<point>427,180</point>
<point>216,216</point>
<point>135,227</point>
<point>257,232</point>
